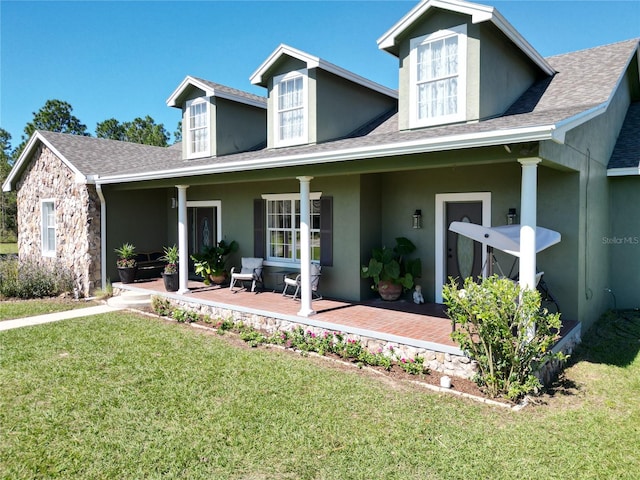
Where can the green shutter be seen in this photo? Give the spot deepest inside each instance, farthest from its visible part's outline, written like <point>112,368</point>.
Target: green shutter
<point>326,231</point>
<point>259,239</point>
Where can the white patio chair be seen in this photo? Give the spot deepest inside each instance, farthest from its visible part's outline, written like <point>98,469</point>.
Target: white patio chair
<point>315,272</point>
<point>251,271</point>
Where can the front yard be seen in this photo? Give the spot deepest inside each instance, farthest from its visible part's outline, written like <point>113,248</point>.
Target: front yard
<point>128,396</point>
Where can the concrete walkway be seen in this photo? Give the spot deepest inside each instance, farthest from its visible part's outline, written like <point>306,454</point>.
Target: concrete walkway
<point>56,317</point>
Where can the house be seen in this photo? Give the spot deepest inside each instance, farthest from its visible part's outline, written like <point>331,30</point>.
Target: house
<point>329,165</point>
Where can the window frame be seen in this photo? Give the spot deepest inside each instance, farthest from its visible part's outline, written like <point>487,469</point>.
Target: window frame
<point>45,228</point>
<point>278,80</point>
<point>461,32</point>
<point>190,131</point>
<point>292,197</point>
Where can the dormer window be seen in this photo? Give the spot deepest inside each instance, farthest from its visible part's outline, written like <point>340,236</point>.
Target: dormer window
<point>198,128</point>
<point>290,91</point>
<point>438,77</point>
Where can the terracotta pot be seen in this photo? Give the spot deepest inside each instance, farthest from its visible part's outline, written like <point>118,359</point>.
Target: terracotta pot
<point>218,279</point>
<point>389,291</point>
<point>171,281</point>
<point>127,274</point>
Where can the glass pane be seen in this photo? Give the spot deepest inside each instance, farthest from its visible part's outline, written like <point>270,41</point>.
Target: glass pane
<point>465,253</point>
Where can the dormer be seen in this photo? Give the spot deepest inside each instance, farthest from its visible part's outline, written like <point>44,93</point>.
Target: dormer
<point>218,120</point>
<point>311,100</point>
<point>459,62</point>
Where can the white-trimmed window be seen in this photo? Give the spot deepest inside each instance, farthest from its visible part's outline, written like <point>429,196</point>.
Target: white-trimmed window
<point>291,117</point>
<point>283,227</point>
<point>438,67</point>
<point>48,226</point>
<point>198,128</point>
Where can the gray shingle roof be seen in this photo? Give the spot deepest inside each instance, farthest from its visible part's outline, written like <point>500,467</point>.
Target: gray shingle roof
<point>585,79</point>
<point>232,91</point>
<point>626,153</point>
<point>99,156</point>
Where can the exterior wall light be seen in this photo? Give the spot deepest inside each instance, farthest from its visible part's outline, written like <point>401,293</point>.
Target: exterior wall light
<point>512,217</point>
<point>417,219</point>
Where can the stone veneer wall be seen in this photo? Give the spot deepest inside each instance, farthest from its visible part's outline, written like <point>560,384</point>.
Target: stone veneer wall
<point>77,211</point>
<point>456,365</point>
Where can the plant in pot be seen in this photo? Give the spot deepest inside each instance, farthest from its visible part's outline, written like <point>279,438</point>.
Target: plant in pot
<point>126,262</point>
<point>390,271</point>
<point>211,262</point>
<point>170,275</point>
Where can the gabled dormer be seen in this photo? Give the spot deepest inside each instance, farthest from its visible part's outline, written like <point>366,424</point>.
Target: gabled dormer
<point>312,101</point>
<point>218,120</point>
<point>459,62</point>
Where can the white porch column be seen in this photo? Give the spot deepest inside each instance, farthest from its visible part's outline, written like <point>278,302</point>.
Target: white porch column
<point>305,248</point>
<point>528,200</point>
<point>183,239</point>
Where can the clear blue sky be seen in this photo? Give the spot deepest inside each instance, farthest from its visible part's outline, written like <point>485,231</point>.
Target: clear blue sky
<point>122,59</point>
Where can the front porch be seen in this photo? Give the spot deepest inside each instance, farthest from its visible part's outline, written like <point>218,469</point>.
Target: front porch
<point>412,330</point>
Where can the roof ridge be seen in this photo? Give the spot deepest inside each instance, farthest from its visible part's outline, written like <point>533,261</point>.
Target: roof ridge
<point>635,40</point>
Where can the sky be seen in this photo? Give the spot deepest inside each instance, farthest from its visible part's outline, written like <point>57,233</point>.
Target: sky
<point>123,59</point>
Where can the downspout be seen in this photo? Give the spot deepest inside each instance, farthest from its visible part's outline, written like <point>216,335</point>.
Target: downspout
<point>103,237</point>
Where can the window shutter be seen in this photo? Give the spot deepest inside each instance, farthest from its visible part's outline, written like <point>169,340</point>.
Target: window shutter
<point>326,231</point>
<point>259,240</point>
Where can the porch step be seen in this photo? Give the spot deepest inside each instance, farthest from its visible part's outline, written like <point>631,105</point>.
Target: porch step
<point>130,299</point>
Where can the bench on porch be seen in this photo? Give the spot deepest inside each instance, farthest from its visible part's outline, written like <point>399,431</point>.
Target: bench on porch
<point>149,265</point>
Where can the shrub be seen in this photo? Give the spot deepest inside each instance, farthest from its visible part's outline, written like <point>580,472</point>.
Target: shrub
<point>29,279</point>
<point>161,306</point>
<point>505,331</point>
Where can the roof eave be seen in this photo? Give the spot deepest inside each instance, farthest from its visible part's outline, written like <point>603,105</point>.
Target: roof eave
<point>623,171</point>
<point>479,13</point>
<point>18,167</point>
<point>453,142</point>
<point>311,61</point>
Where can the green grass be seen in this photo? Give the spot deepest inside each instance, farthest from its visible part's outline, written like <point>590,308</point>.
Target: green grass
<point>8,248</point>
<point>10,309</point>
<point>126,396</point>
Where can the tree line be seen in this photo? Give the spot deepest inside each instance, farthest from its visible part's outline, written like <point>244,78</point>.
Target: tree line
<point>57,116</point>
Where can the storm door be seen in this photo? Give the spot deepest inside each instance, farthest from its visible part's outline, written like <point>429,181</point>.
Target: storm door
<point>203,229</point>
<point>464,256</point>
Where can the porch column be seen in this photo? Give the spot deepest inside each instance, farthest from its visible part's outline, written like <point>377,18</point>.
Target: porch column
<point>528,200</point>
<point>183,240</point>
<point>305,248</point>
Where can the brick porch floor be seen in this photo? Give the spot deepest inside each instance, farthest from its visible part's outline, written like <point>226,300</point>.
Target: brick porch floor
<point>424,326</point>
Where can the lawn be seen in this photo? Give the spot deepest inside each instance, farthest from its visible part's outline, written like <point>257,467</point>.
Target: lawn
<point>10,309</point>
<point>8,248</point>
<point>127,396</point>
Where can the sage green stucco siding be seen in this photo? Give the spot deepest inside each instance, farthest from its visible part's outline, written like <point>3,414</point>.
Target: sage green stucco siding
<point>343,106</point>
<point>239,127</point>
<point>140,217</point>
<point>587,149</point>
<point>622,242</point>
<point>505,73</point>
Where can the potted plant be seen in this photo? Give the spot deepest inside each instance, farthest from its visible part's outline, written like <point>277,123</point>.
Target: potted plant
<point>390,271</point>
<point>126,262</point>
<point>170,274</point>
<point>211,263</point>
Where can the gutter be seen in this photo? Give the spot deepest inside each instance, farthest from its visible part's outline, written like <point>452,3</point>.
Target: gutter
<point>454,142</point>
<point>103,236</point>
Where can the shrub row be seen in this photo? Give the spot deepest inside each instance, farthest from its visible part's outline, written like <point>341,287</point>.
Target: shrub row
<point>29,279</point>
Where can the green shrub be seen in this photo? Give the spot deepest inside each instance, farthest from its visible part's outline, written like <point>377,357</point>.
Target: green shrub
<point>505,331</point>
<point>161,306</point>
<point>29,279</point>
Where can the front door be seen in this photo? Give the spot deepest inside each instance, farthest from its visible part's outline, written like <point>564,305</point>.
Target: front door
<point>464,256</point>
<point>202,228</point>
